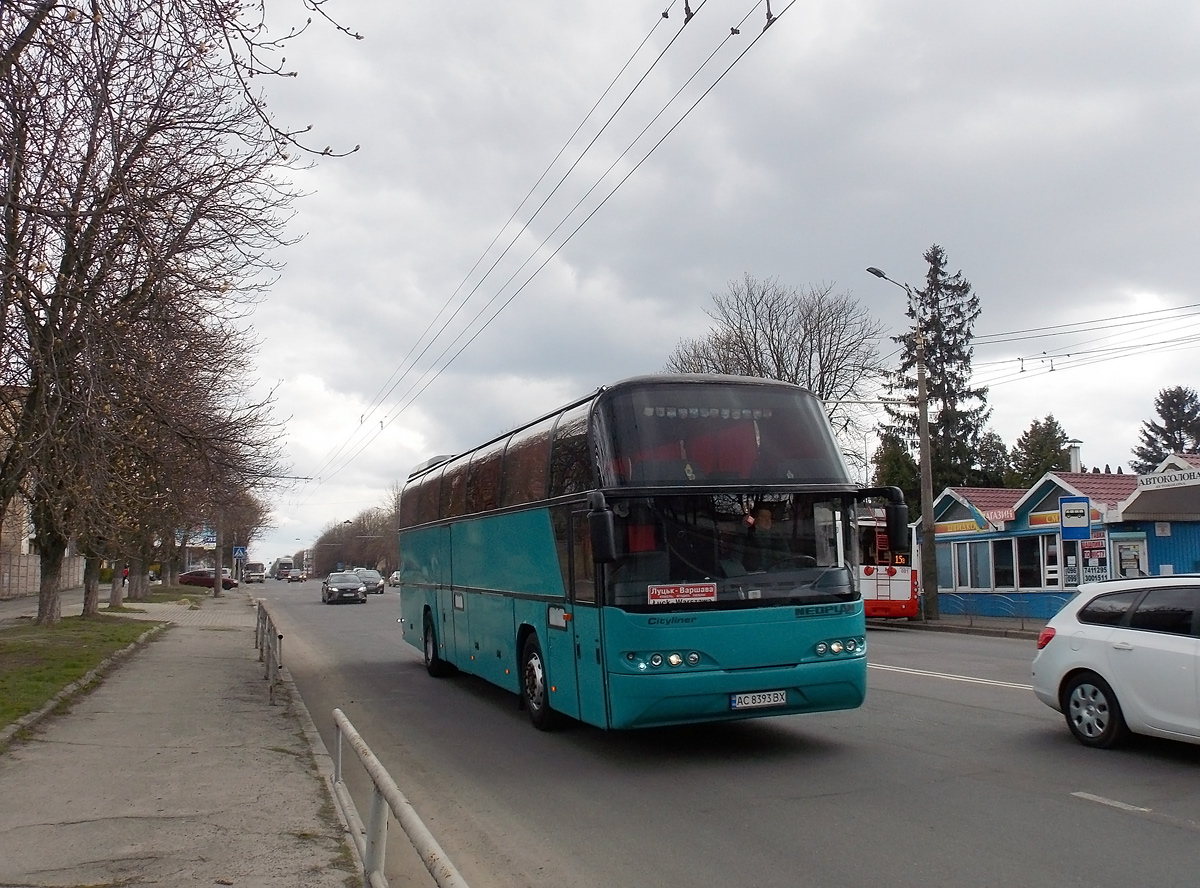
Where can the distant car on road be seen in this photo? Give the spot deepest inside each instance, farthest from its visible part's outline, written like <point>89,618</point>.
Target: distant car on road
<point>203,576</point>
<point>372,579</point>
<point>343,586</point>
<point>394,579</point>
<point>295,575</point>
<point>1123,656</point>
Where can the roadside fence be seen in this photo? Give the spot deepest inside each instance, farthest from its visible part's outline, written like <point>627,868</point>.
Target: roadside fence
<point>386,797</point>
<point>269,641</point>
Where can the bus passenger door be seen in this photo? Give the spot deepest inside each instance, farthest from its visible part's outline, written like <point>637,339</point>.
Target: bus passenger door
<point>586,629</point>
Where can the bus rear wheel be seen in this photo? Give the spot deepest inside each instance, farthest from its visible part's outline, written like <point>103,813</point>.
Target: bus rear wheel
<point>434,664</point>
<point>535,689</point>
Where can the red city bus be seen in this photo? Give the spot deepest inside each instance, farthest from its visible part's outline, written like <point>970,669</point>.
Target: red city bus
<point>887,579</point>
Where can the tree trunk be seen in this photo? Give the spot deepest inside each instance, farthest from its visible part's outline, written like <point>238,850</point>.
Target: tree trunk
<point>51,550</point>
<point>116,595</point>
<point>91,585</point>
<point>217,565</point>
<point>139,588</point>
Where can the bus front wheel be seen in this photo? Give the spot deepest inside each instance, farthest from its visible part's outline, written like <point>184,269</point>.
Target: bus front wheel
<point>535,690</point>
<point>434,664</point>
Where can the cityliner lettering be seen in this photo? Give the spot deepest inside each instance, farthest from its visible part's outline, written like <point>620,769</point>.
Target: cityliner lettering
<point>669,621</point>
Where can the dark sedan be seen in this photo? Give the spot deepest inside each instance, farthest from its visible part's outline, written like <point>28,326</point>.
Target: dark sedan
<point>203,576</point>
<point>372,579</point>
<point>345,586</point>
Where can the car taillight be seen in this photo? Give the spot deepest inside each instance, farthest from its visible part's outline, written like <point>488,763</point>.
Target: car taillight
<point>1044,637</point>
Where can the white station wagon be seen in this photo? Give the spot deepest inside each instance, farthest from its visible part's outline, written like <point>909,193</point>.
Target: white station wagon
<point>1122,656</point>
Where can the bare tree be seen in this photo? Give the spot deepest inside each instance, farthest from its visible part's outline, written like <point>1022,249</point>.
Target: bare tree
<point>816,338</point>
<point>141,197</point>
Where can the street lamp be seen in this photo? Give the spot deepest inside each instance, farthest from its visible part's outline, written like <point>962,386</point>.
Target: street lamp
<point>929,586</point>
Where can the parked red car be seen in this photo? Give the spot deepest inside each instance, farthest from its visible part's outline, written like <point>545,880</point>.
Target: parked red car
<point>203,576</point>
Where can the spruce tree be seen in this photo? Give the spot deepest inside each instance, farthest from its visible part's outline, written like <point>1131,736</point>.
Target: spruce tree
<point>1179,431</point>
<point>1041,448</point>
<point>944,310</point>
<point>895,467</point>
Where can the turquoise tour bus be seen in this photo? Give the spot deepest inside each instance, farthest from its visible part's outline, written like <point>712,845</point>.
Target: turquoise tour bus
<point>667,550</point>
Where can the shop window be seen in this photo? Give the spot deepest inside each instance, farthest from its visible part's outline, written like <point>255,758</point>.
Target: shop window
<point>962,566</point>
<point>1050,547</point>
<point>1002,564</point>
<point>945,566</point>
<point>973,565</point>
<point>981,566</point>
<point>1029,562</point>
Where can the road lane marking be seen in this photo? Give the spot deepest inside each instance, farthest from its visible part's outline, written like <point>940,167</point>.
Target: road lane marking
<point>1144,813</point>
<point>951,677</point>
<point>1112,803</point>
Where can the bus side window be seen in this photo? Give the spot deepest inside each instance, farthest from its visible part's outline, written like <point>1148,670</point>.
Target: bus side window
<point>574,545</point>
<point>583,567</point>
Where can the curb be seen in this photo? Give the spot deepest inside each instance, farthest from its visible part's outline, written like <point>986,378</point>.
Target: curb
<point>986,631</point>
<point>79,686</point>
<point>322,759</point>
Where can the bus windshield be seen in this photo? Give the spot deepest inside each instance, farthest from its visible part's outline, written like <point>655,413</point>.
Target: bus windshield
<point>725,551</point>
<point>706,434</point>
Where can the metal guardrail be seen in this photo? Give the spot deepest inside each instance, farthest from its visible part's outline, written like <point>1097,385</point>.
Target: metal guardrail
<point>385,797</point>
<point>269,642</point>
<point>371,841</point>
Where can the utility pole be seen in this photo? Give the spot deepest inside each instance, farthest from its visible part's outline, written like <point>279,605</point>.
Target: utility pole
<point>928,568</point>
<point>929,585</point>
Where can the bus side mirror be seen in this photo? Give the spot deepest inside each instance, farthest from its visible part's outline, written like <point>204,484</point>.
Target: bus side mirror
<point>897,526</point>
<point>601,529</point>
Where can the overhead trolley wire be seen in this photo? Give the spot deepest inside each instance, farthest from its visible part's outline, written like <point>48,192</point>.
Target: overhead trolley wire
<point>384,390</point>
<point>1015,335</point>
<point>389,386</point>
<point>401,408</point>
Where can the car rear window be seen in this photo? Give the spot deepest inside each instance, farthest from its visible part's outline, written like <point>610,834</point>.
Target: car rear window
<point>1167,610</point>
<point>370,575</point>
<point>1108,610</point>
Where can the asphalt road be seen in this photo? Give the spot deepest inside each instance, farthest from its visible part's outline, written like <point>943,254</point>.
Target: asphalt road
<point>952,774</point>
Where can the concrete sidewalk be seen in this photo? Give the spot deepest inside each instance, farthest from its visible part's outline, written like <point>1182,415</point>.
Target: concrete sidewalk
<point>175,770</point>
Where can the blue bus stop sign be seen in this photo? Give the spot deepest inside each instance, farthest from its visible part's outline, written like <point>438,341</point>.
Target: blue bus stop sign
<point>1075,517</point>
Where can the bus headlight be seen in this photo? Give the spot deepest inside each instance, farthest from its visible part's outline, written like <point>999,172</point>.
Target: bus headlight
<point>822,648</point>
<point>675,659</point>
<point>836,647</point>
<point>656,660</point>
<point>693,659</point>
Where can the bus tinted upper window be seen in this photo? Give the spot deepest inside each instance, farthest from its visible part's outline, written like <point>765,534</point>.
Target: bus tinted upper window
<point>525,464</point>
<point>408,506</point>
<point>483,477</point>
<point>427,497</point>
<point>570,459</point>
<point>685,433</point>
<point>454,488</point>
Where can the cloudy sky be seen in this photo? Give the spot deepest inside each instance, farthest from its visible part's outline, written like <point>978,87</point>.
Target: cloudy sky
<point>1049,147</point>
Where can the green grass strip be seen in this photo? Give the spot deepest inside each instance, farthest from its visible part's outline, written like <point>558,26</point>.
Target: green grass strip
<point>37,662</point>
